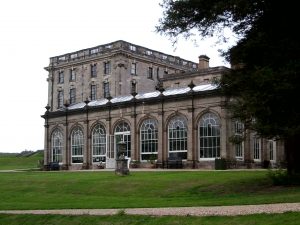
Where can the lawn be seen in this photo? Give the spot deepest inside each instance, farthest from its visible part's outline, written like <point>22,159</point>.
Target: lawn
<point>58,190</point>
<point>265,219</point>
<point>13,161</point>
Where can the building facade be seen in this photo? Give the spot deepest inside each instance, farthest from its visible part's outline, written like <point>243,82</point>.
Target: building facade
<point>160,105</point>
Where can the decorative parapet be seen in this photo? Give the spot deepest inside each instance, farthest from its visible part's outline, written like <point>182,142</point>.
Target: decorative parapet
<point>113,47</point>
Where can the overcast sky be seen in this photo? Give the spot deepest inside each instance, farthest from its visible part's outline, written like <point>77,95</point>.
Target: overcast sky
<point>32,31</point>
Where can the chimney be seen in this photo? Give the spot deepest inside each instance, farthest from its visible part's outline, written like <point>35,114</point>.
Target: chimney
<point>203,62</point>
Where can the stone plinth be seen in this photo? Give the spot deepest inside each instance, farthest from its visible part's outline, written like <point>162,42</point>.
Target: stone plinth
<point>121,167</point>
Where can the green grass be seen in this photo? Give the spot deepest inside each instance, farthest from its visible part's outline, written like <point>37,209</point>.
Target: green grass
<point>58,190</point>
<point>265,219</point>
<point>12,162</point>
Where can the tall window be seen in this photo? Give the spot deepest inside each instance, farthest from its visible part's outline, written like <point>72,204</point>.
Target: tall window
<point>239,146</point>
<point>107,67</point>
<point>256,148</point>
<point>57,145</point>
<point>177,138</point>
<point>106,93</point>
<point>94,70</point>
<point>72,75</point>
<point>99,144</point>
<point>209,136</point>
<point>72,95</point>
<point>272,150</point>
<point>122,133</point>
<point>61,77</point>
<point>93,92</point>
<point>150,73</point>
<point>60,99</point>
<point>133,87</point>
<point>77,142</point>
<point>133,68</point>
<point>149,139</point>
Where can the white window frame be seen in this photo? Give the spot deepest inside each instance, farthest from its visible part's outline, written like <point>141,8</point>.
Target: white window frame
<point>239,147</point>
<point>150,73</point>
<point>77,145</point>
<point>256,149</point>
<point>148,52</point>
<point>177,136</point>
<point>94,51</point>
<point>272,150</point>
<point>94,70</point>
<point>149,138</point>
<point>73,56</point>
<point>98,144</point>
<point>107,68</point>
<point>207,122</point>
<point>106,91</point>
<point>72,75</point>
<point>72,95</point>
<point>133,68</point>
<point>123,129</point>
<point>56,146</point>
<point>132,48</point>
<point>60,99</point>
<point>93,92</point>
<point>61,77</point>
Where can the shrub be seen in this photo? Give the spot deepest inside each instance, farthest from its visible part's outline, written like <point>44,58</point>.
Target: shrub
<point>279,177</point>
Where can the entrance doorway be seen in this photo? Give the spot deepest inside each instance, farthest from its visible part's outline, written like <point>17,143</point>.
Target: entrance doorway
<point>121,134</point>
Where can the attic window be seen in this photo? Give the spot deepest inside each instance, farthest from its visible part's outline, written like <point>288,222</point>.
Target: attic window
<point>132,48</point>
<point>148,52</point>
<point>95,50</point>
<point>62,58</point>
<point>73,56</point>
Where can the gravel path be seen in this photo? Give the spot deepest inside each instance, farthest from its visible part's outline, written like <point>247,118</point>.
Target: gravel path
<point>180,211</point>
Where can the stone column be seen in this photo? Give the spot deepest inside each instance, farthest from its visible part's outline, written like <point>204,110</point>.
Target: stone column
<point>190,136</point>
<point>46,146</point>
<point>65,153</point>
<point>87,162</point>
<point>160,137</point>
<point>223,133</point>
<point>47,151</point>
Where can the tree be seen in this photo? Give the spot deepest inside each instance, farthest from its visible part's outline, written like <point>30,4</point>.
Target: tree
<point>265,83</point>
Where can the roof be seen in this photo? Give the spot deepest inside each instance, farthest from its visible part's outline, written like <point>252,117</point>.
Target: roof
<point>147,95</point>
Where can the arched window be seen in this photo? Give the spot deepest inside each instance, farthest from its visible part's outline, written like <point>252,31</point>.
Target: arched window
<point>209,136</point>
<point>122,127</point>
<point>239,145</point>
<point>77,142</point>
<point>256,148</point>
<point>177,138</point>
<point>122,133</point>
<point>57,145</point>
<point>149,139</point>
<point>99,144</point>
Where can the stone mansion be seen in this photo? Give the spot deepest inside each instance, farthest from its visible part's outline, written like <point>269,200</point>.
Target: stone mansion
<point>160,105</point>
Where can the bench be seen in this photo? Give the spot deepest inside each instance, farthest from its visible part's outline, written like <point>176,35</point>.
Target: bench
<point>54,166</point>
<point>174,163</point>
